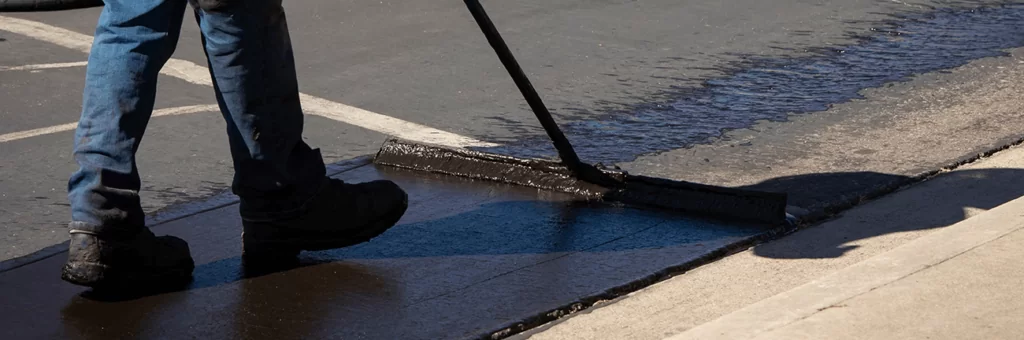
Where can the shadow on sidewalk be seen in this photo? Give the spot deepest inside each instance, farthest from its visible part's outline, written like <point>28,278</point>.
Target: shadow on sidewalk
<point>938,202</point>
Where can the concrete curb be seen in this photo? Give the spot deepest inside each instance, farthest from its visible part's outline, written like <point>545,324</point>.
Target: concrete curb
<point>803,301</point>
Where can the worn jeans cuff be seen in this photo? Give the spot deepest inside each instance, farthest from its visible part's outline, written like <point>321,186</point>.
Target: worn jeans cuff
<point>103,231</point>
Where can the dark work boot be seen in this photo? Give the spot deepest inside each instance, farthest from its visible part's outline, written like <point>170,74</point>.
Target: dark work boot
<point>339,215</point>
<point>126,259</point>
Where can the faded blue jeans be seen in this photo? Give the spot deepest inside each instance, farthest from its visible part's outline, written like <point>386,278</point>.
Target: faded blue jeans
<point>250,60</point>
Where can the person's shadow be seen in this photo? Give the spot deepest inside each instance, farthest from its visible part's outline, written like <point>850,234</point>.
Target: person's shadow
<point>938,202</point>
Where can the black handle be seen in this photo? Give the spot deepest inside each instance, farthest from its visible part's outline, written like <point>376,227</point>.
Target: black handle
<point>565,150</point>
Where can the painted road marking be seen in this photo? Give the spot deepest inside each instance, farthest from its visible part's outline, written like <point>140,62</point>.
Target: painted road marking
<point>174,111</point>
<point>200,75</point>
<point>43,66</point>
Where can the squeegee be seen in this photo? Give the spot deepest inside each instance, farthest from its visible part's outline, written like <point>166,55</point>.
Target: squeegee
<point>572,175</point>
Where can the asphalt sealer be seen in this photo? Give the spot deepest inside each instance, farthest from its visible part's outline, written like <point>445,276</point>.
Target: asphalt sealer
<point>572,175</point>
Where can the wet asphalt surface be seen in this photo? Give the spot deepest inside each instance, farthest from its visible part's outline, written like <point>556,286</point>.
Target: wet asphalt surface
<point>729,93</point>
<point>520,252</point>
<point>624,79</point>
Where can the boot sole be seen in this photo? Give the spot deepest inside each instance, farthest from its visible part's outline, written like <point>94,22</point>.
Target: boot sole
<point>96,275</point>
<point>265,241</point>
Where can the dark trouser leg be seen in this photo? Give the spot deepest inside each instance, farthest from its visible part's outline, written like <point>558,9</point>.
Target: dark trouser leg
<point>250,57</point>
<point>287,204</point>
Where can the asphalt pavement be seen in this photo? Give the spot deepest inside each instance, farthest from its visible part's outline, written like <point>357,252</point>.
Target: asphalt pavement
<point>833,102</point>
<point>426,63</point>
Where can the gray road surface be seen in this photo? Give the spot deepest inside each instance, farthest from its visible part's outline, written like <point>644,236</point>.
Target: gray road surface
<point>594,62</point>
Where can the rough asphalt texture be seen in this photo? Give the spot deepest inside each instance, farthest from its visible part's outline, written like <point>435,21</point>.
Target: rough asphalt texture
<point>427,63</point>
<point>904,130</point>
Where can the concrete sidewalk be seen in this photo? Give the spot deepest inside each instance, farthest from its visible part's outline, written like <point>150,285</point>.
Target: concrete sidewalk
<point>938,260</point>
<point>962,282</point>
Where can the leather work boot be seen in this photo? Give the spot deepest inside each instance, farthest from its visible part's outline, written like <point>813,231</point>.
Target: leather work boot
<point>339,215</point>
<point>126,260</point>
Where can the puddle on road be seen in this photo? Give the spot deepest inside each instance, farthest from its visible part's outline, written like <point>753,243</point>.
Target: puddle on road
<point>772,89</point>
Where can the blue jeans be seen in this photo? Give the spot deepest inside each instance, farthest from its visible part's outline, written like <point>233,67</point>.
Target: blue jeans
<point>250,60</point>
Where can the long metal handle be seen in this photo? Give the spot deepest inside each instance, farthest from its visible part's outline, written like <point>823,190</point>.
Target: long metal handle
<point>565,150</point>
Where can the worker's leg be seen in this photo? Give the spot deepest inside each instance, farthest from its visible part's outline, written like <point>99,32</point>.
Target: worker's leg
<point>253,73</point>
<point>109,241</point>
<point>286,200</point>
